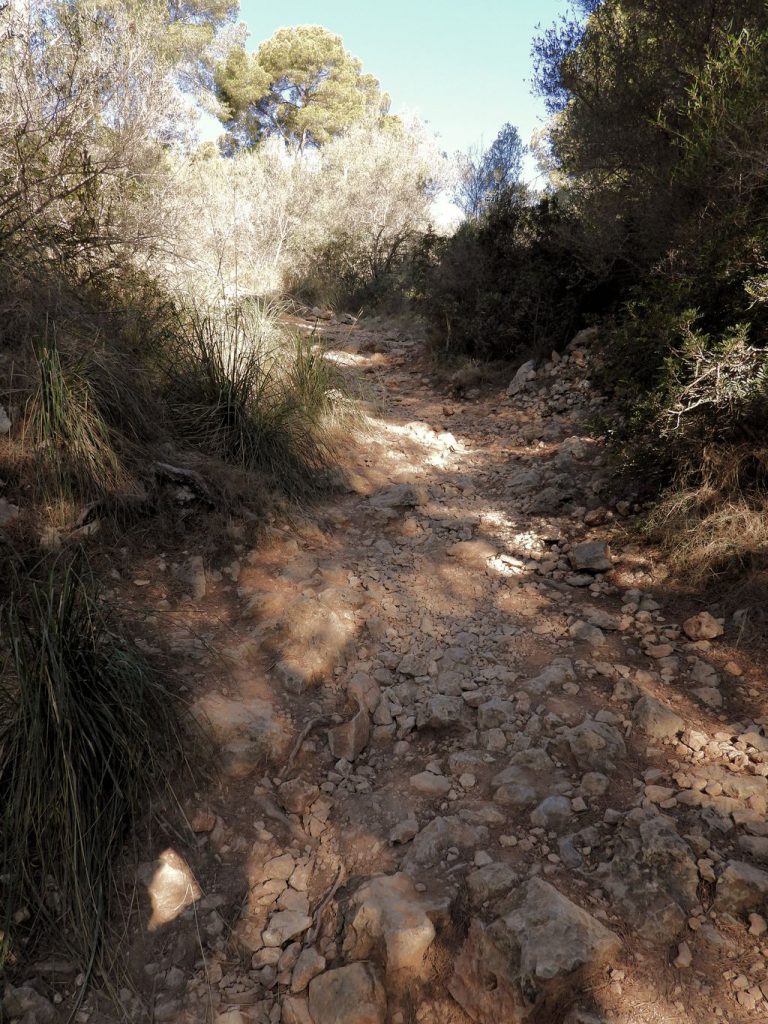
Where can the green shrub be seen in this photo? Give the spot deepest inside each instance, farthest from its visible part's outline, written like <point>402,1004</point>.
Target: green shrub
<point>507,286</point>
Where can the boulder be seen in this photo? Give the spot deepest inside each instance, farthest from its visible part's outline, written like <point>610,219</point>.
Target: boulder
<point>524,374</point>
<point>657,720</point>
<point>348,995</point>
<point>702,627</point>
<point>543,946</point>
<point>348,740</point>
<point>596,745</point>
<point>285,925</point>
<point>653,876</point>
<point>741,888</point>
<point>490,882</point>
<point>553,813</point>
<point>387,914</point>
<point>441,713</point>
<point>591,556</point>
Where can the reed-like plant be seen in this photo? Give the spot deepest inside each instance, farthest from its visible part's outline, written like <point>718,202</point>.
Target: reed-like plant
<point>242,390</point>
<point>88,735</point>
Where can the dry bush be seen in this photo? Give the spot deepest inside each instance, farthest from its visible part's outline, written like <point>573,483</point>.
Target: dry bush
<point>319,222</point>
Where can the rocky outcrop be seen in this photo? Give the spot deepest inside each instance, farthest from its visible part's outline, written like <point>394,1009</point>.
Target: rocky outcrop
<point>387,916</point>
<point>653,876</point>
<point>512,967</point>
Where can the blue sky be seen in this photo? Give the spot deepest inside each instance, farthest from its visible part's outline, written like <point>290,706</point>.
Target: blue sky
<point>463,67</point>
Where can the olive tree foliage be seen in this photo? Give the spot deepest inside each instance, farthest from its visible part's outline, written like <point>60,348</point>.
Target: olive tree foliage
<point>301,85</point>
<point>273,218</point>
<point>89,107</point>
<point>483,175</point>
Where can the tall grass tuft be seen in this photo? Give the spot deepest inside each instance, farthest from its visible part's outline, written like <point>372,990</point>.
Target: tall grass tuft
<point>87,736</point>
<point>72,442</point>
<point>243,391</point>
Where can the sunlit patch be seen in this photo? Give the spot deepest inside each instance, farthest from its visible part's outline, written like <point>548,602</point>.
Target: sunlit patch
<point>346,358</point>
<point>505,565</point>
<point>171,889</point>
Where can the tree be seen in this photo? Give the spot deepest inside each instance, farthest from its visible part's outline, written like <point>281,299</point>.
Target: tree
<point>301,85</point>
<point>617,84</point>
<point>484,175</point>
<point>90,108</point>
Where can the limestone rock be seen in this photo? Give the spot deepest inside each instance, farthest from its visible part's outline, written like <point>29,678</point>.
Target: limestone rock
<point>553,813</point>
<point>490,881</point>
<point>296,795</point>
<point>702,627</point>
<point>430,784</point>
<point>524,374</point>
<point>312,635</point>
<point>25,1002</point>
<point>399,496</point>
<point>441,713</point>
<point>559,671</point>
<point>192,573</point>
<point>387,912</point>
<point>591,556</point>
<point>472,552</point>
<point>246,728</point>
<point>8,512</point>
<point>435,838</point>
<point>653,877</point>
<point>171,885</point>
<point>508,968</point>
<point>307,967</point>
<point>285,925</point>
<point>350,739</point>
<point>404,831</point>
<point>596,745</point>
<point>495,713</point>
<point>657,721</point>
<point>741,887</point>
<point>348,995</point>
<point>365,690</point>
<point>295,1010</point>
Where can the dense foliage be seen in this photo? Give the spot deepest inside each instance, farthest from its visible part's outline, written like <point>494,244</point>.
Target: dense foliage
<point>506,284</point>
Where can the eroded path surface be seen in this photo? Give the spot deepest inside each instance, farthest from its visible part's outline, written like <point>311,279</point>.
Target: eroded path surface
<point>473,768</point>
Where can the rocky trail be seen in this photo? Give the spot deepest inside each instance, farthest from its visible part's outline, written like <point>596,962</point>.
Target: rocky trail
<point>475,767</point>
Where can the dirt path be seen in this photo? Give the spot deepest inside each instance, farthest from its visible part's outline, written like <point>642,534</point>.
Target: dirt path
<point>473,768</point>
